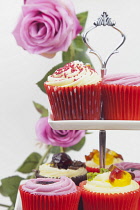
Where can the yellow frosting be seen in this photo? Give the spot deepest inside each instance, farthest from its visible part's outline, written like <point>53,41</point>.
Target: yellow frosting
<point>48,171</point>
<point>74,74</point>
<point>101,184</point>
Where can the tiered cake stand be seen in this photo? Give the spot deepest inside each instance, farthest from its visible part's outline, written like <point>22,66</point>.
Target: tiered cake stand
<point>101,125</point>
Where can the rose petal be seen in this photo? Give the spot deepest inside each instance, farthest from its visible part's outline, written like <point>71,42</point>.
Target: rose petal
<point>63,138</point>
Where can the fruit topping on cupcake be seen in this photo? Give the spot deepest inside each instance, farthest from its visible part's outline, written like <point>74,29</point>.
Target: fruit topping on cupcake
<point>92,160</point>
<point>118,177</point>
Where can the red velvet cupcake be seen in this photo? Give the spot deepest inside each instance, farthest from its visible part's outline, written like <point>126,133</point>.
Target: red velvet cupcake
<point>74,92</point>
<point>121,97</point>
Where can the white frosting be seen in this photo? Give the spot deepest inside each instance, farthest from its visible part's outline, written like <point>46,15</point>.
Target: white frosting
<point>48,171</point>
<point>91,163</point>
<point>74,74</point>
<point>101,184</point>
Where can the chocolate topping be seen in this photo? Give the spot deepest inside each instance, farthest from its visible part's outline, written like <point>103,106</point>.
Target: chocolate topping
<point>77,164</point>
<point>62,160</point>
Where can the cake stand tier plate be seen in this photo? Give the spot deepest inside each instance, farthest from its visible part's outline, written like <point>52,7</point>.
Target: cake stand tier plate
<point>94,124</point>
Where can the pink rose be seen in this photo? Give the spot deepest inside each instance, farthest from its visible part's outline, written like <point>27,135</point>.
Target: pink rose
<point>62,138</point>
<point>47,26</point>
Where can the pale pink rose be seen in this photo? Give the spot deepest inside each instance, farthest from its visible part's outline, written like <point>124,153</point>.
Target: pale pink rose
<point>46,26</point>
<point>62,138</point>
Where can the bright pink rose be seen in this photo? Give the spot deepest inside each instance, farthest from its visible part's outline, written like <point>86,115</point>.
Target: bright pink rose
<point>46,26</point>
<point>62,138</point>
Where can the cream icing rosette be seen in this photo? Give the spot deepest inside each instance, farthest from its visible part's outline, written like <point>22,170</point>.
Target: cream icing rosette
<point>48,171</point>
<point>74,74</point>
<point>74,92</point>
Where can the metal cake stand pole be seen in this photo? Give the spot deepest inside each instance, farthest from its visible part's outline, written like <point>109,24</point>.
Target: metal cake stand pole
<point>103,20</point>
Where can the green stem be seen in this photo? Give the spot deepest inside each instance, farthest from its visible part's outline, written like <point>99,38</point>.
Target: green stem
<point>42,159</point>
<point>61,149</point>
<point>3,205</point>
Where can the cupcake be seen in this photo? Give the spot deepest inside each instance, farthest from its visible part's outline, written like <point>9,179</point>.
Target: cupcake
<point>49,194</point>
<point>132,168</point>
<point>62,165</point>
<point>74,92</point>
<point>112,190</point>
<point>121,97</point>
<point>92,160</point>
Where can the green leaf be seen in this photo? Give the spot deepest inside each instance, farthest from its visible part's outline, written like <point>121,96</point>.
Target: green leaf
<point>41,109</point>
<point>11,208</point>
<point>76,51</point>
<point>82,17</point>
<point>55,149</point>
<point>10,186</point>
<point>87,132</point>
<point>41,82</point>
<point>30,163</point>
<point>78,146</point>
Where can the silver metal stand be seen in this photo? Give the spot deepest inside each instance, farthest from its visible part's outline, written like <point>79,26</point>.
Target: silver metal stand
<point>103,20</point>
<point>102,147</point>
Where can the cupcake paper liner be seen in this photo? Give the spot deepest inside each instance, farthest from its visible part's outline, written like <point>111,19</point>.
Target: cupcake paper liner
<point>121,102</point>
<point>76,179</point>
<point>44,202</point>
<point>90,169</point>
<point>139,197</point>
<point>117,201</point>
<point>75,103</point>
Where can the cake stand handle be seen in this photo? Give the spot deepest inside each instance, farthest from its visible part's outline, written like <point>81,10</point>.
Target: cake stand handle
<point>103,20</point>
<point>102,147</point>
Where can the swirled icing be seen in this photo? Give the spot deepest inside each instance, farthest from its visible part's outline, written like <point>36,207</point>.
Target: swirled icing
<point>131,167</point>
<point>74,74</point>
<point>101,184</point>
<point>61,186</point>
<point>48,171</point>
<point>122,79</point>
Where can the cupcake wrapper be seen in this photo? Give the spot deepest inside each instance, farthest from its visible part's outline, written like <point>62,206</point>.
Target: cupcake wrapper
<point>76,179</point>
<point>121,102</point>
<point>42,202</point>
<point>100,201</point>
<point>138,182</point>
<point>75,103</point>
<point>90,169</point>
<point>139,197</point>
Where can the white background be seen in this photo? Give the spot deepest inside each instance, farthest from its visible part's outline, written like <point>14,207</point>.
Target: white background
<point>20,71</point>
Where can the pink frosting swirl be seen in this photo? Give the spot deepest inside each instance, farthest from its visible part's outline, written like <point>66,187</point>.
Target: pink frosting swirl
<point>131,167</point>
<point>122,79</point>
<point>61,186</point>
